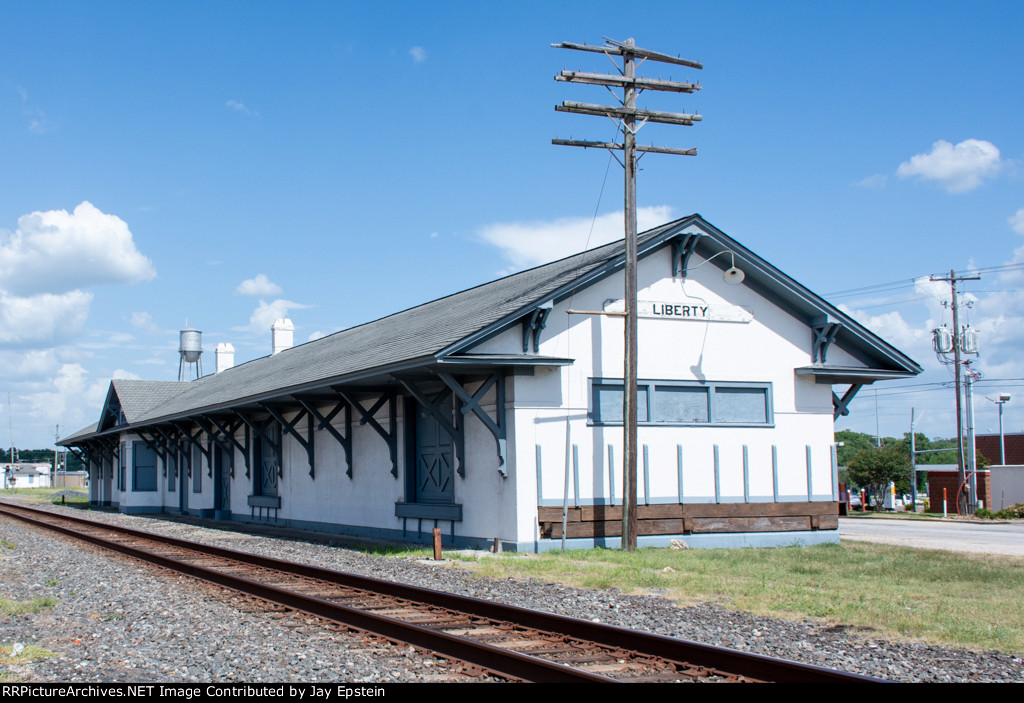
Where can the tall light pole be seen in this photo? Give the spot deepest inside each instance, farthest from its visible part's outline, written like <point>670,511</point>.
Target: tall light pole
<point>1004,398</point>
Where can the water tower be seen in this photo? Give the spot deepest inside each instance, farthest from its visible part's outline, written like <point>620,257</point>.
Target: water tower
<point>191,351</point>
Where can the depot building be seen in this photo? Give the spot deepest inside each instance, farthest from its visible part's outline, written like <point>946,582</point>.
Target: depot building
<point>496,412</point>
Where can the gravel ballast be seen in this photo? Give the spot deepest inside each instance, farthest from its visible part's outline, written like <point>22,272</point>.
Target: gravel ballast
<point>119,620</point>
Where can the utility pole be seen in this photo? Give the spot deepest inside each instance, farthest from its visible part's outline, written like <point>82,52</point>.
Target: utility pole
<point>626,114</point>
<point>964,501</point>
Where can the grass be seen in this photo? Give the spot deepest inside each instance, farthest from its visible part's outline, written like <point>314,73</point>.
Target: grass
<point>43,495</point>
<point>19,607</point>
<point>30,653</point>
<point>938,597</point>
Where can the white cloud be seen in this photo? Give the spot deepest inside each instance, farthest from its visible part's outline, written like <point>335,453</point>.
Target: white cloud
<point>418,53</point>
<point>42,319</point>
<point>265,314</point>
<point>527,244</point>
<point>240,107</point>
<point>1017,221</point>
<point>874,182</point>
<point>260,285</point>
<point>957,169</point>
<point>57,251</point>
<point>144,321</point>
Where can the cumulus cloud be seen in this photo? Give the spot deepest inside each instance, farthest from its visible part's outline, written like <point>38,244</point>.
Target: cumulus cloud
<point>527,244</point>
<point>418,53</point>
<point>42,319</point>
<point>958,168</point>
<point>1017,221</point>
<point>57,251</point>
<point>265,314</point>
<point>260,285</point>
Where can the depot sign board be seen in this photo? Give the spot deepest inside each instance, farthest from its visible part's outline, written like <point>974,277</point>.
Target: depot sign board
<point>691,309</point>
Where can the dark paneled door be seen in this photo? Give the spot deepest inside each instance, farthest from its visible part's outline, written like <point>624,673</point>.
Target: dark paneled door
<point>435,454</point>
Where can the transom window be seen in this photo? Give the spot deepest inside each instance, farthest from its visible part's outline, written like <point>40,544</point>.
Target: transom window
<point>684,403</point>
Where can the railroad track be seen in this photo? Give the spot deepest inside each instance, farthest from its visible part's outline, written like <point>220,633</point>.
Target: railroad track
<point>504,640</point>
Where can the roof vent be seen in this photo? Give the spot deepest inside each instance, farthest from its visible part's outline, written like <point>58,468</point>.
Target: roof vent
<point>282,334</point>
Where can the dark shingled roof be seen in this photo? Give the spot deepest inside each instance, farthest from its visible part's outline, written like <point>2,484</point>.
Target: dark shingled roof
<point>421,335</point>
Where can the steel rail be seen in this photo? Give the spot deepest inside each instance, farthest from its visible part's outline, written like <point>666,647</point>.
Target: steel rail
<point>752,666</point>
<point>493,659</point>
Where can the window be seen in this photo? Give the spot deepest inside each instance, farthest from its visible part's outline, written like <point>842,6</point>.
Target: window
<point>143,467</point>
<point>197,470</point>
<point>684,403</point>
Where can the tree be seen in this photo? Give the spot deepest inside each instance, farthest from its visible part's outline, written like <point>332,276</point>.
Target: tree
<point>875,468</point>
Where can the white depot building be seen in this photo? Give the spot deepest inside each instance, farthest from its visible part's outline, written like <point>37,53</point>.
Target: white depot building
<point>496,412</point>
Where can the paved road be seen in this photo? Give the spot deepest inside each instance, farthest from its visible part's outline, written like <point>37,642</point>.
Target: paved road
<point>991,538</point>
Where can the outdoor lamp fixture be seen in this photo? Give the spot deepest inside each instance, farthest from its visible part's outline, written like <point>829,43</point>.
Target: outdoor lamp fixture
<point>732,275</point>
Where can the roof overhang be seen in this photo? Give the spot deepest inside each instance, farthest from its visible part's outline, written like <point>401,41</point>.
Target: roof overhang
<point>830,375</point>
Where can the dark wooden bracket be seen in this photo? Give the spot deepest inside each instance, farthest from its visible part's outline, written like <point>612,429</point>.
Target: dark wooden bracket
<point>533,325</point>
<point>324,423</point>
<point>431,406</point>
<point>366,417</point>
<point>839,405</point>
<point>252,431</point>
<point>823,334</point>
<point>682,249</point>
<point>289,428</point>
<point>225,435</point>
<point>191,440</point>
<point>471,403</point>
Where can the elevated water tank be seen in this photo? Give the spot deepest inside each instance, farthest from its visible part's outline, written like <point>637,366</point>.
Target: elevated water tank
<point>190,350</point>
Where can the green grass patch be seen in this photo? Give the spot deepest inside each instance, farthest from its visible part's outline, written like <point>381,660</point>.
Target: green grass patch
<point>939,597</point>
<point>19,607</point>
<point>5,544</point>
<point>30,653</point>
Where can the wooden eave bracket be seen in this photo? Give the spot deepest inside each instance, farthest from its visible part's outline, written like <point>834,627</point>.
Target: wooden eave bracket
<point>471,403</point>
<point>533,323</point>
<point>455,431</point>
<point>227,437</point>
<point>324,423</point>
<point>289,428</point>
<point>683,247</point>
<point>839,405</point>
<point>824,333</point>
<point>205,451</point>
<point>366,417</point>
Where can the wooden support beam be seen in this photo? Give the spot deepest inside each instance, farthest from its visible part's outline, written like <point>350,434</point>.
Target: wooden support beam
<point>682,249</point>
<point>676,118</point>
<point>619,147</point>
<point>455,431</point>
<point>325,424</point>
<point>471,403</point>
<point>228,431</point>
<point>839,405</point>
<point>158,449</point>
<point>289,427</point>
<point>626,82</point>
<point>366,417</point>
<point>533,324</point>
<point>186,431</point>
<point>614,48</point>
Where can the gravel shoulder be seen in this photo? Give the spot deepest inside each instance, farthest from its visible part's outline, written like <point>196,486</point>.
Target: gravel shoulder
<point>121,621</point>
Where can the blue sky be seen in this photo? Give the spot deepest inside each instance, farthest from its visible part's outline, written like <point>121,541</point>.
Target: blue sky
<point>367,157</point>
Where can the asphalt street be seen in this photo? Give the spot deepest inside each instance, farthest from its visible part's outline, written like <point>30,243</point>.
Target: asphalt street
<point>957,536</point>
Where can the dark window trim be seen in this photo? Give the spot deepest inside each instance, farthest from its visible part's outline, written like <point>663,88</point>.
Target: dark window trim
<point>649,384</point>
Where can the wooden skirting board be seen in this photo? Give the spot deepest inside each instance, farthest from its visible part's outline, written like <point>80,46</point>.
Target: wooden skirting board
<point>691,518</point>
